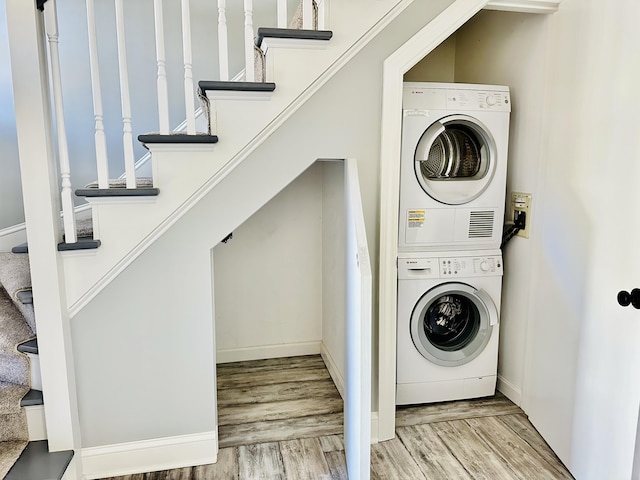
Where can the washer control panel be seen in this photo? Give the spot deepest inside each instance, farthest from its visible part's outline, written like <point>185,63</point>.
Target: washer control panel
<point>449,267</point>
<point>470,266</point>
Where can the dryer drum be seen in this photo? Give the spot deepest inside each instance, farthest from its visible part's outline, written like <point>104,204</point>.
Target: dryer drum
<point>451,322</point>
<point>455,153</point>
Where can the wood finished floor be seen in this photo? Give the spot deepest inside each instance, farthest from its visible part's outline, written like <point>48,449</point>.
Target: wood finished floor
<point>282,419</point>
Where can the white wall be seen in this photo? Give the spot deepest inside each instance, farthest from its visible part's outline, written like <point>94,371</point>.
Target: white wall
<point>438,66</point>
<point>11,212</point>
<point>507,48</point>
<point>268,278</point>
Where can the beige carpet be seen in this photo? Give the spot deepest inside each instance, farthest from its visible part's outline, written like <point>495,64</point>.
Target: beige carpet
<point>14,366</point>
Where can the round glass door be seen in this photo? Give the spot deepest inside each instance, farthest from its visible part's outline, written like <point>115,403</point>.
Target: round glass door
<point>455,159</point>
<point>451,324</point>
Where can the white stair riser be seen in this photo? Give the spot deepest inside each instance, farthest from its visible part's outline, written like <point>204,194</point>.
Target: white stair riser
<point>36,423</point>
<point>36,379</point>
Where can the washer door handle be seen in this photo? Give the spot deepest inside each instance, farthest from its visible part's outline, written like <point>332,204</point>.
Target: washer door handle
<point>493,312</point>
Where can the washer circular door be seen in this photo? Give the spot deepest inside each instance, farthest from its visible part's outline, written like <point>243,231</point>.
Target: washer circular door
<point>455,159</point>
<point>452,323</point>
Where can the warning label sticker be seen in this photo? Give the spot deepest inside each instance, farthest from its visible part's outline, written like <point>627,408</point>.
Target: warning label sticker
<point>415,218</point>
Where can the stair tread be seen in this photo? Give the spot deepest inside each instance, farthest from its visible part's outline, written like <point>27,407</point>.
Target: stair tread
<point>25,296</point>
<point>199,138</point>
<point>37,463</point>
<point>32,398</point>
<point>118,192</point>
<point>22,248</point>
<point>81,244</point>
<point>29,346</point>
<point>292,33</point>
<point>205,85</point>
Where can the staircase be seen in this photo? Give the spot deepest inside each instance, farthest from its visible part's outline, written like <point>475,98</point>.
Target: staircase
<point>187,168</point>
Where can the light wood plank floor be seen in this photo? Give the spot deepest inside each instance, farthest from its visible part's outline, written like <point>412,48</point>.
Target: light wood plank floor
<point>284,421</point>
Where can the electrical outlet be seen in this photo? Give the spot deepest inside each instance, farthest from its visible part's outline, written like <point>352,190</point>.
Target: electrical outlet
<point>521,202</point>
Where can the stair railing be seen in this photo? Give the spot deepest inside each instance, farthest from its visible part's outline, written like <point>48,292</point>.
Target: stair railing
<point>101,126</point>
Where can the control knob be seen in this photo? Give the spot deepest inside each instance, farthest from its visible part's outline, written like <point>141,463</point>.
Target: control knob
<point>484,266</point>
<point>491,100</point>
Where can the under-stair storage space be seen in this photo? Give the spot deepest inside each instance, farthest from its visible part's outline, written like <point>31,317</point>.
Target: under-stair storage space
<point>280,313</point>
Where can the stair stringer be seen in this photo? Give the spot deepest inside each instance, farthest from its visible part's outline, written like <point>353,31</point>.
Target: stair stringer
<point>181,187</point>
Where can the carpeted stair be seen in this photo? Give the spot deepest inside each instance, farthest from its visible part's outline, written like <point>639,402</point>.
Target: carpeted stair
<point>17,325</point>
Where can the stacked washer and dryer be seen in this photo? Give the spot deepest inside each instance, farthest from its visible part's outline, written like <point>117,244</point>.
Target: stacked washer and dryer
<point>452,196</point>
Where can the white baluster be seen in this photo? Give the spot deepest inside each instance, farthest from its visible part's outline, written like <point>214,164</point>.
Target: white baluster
<point>307,14</point>
<point>282,14</point>
<point>163,94</point>
<point>102,163</point>
<point>223,48</point>
<point>69,220</point>
<point>249,42</point>
<point>189,102</point>
<point>127,136</point>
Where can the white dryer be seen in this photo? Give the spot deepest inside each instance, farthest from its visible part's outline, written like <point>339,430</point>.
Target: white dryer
<point>447,337</point>
<point>453,168</point>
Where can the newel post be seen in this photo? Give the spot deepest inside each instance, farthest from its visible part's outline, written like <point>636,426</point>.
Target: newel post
<point>39,175</point>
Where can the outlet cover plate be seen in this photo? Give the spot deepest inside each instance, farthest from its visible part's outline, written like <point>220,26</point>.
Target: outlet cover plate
<point>522,202</point>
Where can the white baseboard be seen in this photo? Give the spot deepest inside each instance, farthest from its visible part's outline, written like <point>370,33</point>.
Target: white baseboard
<point>509,390</point>
<point>267,351</point>
<point>334,371</point>
<point>36,422</point>
<point>150,455</point>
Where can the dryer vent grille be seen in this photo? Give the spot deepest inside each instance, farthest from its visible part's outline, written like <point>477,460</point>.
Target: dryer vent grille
<point>481,224</point>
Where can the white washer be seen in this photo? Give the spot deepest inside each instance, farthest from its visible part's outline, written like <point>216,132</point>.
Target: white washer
<point>453,168</point>
<point>447,338</point>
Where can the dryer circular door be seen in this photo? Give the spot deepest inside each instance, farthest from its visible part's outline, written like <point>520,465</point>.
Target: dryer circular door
<point>455,159</point>
<point>452,323</point>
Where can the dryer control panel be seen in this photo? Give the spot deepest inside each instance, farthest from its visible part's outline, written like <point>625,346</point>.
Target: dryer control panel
<point>449,267</point>
<point>455,96</point>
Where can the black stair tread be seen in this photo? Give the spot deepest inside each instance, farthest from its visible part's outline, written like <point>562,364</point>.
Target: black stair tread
<point>32,398</point>
<point>84,243</point>
<point>118,192</point>
<point>205,85</point>
<point>37,463</point>
<point>22,248</point>
<point>294,33</point>
<point>30,346</point>
<point>177,138</point>
<point>25,296</point>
